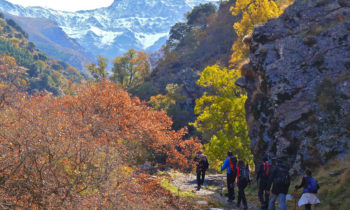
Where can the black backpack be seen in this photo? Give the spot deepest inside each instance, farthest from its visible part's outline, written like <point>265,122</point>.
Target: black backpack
<point>203,162</point>
<point>243,174</point>
<point>282,178</point>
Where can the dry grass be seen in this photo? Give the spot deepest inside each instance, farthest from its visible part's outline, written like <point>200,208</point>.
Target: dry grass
<point>334,179</point>
<point>334,192</point>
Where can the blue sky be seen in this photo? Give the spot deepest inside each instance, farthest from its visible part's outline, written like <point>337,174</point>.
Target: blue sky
<point>66,5</point>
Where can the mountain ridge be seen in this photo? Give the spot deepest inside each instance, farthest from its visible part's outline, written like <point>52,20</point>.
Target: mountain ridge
<point>111,31</point>
<point>49,37</point>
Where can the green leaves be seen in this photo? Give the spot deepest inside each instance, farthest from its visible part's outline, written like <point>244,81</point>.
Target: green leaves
<point>221,115</point>
<point>98,71</point>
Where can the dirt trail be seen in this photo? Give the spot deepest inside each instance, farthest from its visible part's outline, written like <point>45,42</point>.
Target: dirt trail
<point>212,188</point>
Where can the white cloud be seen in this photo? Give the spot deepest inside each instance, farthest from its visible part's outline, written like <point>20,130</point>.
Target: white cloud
<point>65,5</point>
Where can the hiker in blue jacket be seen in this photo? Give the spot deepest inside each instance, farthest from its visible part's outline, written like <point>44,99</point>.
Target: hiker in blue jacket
<point>311,187</point>
<point>230,165</point>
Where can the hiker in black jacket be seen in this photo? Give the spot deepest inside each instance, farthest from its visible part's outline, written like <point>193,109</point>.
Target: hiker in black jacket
<point>280,180</point>
<point>262,179</point>
<point>243,179</point>
<point>202,165</point>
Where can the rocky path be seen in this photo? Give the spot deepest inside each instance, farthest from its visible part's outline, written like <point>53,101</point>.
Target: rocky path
<point>212,189</point>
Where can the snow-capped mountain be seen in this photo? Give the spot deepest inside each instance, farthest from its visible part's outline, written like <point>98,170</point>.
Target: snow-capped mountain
<point>111,31</point>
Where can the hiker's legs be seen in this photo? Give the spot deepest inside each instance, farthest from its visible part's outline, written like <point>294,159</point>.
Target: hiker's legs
<point>261,194</point>
<point>307,206</point>
<point>239,196</point>
<point>267,197</point>
<point>272,201</point>
<point>203,176</point>
<point>241,188</point>
<point>230,185</point>
<point>233,186</point>
<point>198,179</point>
<point>283,205</point>
<point>262,190</point>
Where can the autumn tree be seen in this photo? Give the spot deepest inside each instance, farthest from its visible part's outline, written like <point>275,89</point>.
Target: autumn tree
<point>199,15</point>
<point>12,79</point>
<point>81,150</point>
<point>171,103</point>
<point>221,115</point>
<point>131,69</point>
<point>176,34</point>
<point>253,12</point>
<point>98,71</point>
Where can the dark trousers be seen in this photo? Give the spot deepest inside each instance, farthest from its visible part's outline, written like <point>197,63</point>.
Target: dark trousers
<point>264,200</point>
<point>230,186</point>
<point>241,194</point>
<point>308,207</point>
<point>200,177</point>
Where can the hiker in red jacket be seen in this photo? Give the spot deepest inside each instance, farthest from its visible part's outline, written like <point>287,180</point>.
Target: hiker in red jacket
<point>262,179</point>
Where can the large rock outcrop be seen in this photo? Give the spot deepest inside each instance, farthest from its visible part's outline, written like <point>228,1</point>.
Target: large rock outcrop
<point>298,83</point>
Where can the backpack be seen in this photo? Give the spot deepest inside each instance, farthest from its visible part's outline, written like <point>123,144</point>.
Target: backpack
<point>282,178</point>
<point>312,185</point>
<point>243,175</point>
<point>267,169</point>
<point>203,162</point>
<point>233,162</point>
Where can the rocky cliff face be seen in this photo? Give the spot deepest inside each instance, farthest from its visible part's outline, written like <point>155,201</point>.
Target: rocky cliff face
<point>298,83</point>
<point>213,46</point>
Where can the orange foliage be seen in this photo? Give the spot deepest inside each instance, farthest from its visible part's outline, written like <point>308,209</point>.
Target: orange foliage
<point>81,151</point>
<point>11,79</point>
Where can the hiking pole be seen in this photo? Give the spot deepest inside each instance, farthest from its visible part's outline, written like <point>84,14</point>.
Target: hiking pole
<point>295,199</point>
<point>222,185</point>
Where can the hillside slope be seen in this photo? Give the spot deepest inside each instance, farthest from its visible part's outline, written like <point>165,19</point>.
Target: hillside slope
<point>201,44</point>
<point>42,73</point>
<point>50,38</point>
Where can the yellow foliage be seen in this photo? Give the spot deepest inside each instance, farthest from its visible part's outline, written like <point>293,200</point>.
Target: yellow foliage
<point>2,22</point>
<point>254,12</point>
<point>14,41</point>
<point>42,64</point>
<point>161,102</point>
<point>221,115</point>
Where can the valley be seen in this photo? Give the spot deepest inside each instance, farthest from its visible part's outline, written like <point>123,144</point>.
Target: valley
<point>126,106</point>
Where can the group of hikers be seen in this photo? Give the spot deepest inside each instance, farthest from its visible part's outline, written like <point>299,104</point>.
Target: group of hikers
<point>267,176</point>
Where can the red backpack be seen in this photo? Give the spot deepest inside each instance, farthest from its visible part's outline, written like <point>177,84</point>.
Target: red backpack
<point>232,164</point>
<point>267,168</point>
